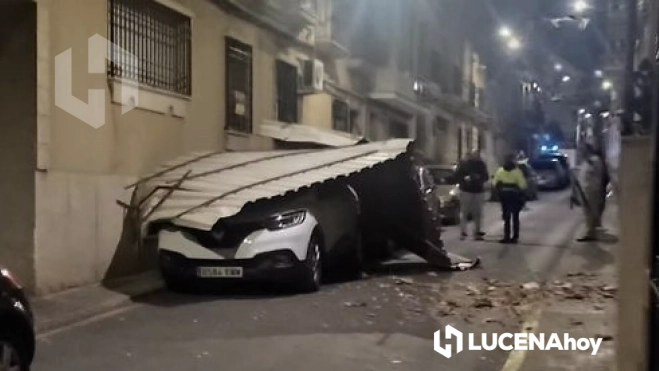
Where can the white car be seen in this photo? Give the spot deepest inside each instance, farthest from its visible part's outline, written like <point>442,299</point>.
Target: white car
<point>292,239</point>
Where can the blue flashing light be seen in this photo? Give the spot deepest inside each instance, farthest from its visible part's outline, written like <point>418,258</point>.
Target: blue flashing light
<point>554,148</point>
<point>543,148</point>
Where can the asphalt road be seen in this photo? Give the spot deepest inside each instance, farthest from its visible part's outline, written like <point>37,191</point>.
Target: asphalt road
<point>383,322</point>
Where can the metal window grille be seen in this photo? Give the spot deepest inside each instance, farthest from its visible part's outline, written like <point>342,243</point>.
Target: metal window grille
<point>398,129</point>
<point>287,97</point>
<point>340,116</point>
<point>159,37</point>
<point>238,86</point>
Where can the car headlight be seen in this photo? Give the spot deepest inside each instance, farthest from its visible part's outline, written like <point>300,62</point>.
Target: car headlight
<point>286,220</point>
<point>453,193</point>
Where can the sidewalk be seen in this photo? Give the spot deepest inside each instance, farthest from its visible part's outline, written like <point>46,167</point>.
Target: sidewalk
<point>69,307</point>
<point>582,318</point>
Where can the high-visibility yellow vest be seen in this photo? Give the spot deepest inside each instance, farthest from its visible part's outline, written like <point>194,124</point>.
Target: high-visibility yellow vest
<point>512,177</point>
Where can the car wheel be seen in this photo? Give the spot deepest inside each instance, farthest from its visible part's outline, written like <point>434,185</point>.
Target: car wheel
<point>13,355</point>
<point>313,266</point>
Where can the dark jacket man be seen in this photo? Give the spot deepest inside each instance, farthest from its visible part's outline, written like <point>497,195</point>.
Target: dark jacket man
<point>472,175</point>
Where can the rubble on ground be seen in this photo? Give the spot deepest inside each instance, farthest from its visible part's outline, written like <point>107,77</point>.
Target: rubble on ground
<point>492,301</point>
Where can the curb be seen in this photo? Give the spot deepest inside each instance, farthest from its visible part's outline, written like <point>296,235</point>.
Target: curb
<point>64,309</point>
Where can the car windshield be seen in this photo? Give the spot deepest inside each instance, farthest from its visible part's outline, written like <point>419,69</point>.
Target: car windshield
<point>443,176</point>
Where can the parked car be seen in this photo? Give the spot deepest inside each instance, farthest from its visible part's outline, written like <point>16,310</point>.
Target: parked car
<point>447,191</point>
<point>293,239</point>
<point>551,174</point>
<point>531,179</point>
<point>17,338</point>
<point>561,158</point>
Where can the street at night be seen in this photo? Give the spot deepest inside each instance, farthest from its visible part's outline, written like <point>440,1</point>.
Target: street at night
<point>384,322</point>
<point>329,185</point>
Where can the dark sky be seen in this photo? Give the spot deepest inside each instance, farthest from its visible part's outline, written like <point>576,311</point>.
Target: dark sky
<point>583,49</point>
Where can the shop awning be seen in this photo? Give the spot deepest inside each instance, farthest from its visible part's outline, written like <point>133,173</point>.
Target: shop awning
<point>298,133</point>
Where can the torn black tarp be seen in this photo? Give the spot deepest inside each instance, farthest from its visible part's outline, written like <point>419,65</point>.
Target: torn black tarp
<point>398,206</point>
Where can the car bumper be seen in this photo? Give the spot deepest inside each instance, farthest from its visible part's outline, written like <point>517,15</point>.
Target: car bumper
<point>448,211</point>
<point>271,266</point>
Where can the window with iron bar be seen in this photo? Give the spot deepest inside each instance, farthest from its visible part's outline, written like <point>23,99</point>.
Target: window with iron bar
<point>160,39</point>
<point>238,85</point>
<point>340,116</point>
<point>287,97</point>
<point>398,129</point>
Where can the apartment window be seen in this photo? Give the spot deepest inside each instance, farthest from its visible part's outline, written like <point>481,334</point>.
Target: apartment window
<point>340,116</point>
<point>457,80</point>
<point>399,130</point>
<point>287,99</point>
<point>470,139</point>
<point>355,129</point>
<point>460,143</point>
<point>238,86</point>
<point>472,93</point>
<point>440,127</point>
<point>159,37</point>
<point>436,67</point>
<point>481,98</point>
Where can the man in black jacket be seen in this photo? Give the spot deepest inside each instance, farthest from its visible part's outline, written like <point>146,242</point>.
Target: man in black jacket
<point>472,175</point>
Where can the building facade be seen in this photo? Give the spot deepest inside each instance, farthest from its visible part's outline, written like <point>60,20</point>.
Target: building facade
<point>210,76</point>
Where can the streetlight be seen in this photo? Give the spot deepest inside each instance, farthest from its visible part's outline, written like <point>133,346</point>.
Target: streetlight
<point>566,78</point>
<point>580,6</point>
<point>505,32</point>
<point>607,85</point>
<point>514,44</point>
<point>599,74</point>
<point>558,67</point>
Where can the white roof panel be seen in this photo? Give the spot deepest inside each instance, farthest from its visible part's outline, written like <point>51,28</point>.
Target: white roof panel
<point>297,133</point>
<point>220,184</point>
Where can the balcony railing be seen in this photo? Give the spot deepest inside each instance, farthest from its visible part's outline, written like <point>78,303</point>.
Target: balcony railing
<point>291,16</point>
<point>392,81</point>
<point>331,38</point>
<point>396,88</point>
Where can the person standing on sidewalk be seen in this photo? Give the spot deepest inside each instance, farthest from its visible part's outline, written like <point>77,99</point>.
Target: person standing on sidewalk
<point>472,175</point>
<point>510,183</point>
<point>590,181</point>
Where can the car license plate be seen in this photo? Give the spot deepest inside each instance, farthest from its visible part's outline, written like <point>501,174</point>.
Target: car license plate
<point>220,272</point>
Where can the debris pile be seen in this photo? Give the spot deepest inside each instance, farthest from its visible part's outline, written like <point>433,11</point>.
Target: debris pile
<point>493,301</point>
<point>486,301</point>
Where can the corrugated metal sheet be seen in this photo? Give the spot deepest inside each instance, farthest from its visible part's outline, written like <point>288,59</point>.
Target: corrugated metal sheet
<point>306,134</point>
<point>219,185</point>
